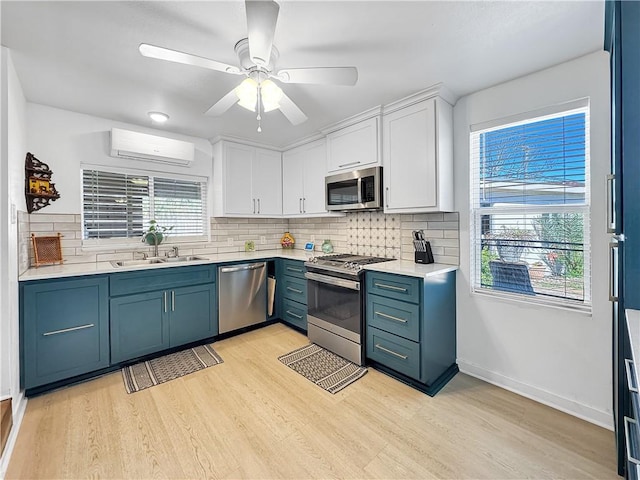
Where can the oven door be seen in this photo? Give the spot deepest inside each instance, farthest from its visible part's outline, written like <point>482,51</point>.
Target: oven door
<point>334,304</point>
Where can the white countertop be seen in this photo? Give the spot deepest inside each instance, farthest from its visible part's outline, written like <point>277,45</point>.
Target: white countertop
<point>78,269</point>
<point>400,267</point>
<point>412,269</point>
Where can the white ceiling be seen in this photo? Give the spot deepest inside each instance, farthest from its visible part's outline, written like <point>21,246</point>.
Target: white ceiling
<point>83,56</point>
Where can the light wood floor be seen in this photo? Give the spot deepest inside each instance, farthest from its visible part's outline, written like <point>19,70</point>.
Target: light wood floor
<point>252,417</point>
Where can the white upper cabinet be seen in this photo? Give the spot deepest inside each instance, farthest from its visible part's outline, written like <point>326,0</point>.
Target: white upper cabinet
<point>247,181</point>
<point>303,172</point>
<point>353,147</point>
<point>417,157</point>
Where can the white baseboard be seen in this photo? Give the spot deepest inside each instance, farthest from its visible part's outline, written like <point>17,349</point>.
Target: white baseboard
<point>21,405</point>
<point>584,412</point>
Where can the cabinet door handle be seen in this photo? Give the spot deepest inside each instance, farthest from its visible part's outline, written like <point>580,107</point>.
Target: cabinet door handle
<point>627,422</point>
<point>613,272</point>
<point>299,270</point>
<point>390,317</point>
<point>254,205</point>
<point>304,207</point>
<point>294,290</point>
<point>164,299</point>
<point>390,287</point>
<point>300,206</point>
<point>258,205</point>
<point>399,355</point>
<point>387,192</point>
<point>299,317</point>
<point>65,330</point>
<point>611,221</point>
<point>628,365</point>
<point>348,164</point>
<point>173,300</point>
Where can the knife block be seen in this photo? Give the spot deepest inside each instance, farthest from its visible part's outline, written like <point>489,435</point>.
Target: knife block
<point>424,257</point>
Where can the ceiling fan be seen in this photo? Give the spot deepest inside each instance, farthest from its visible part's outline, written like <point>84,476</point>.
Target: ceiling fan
<point>257,57</point>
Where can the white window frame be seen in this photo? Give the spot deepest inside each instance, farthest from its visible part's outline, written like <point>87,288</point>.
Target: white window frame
<point>476,211</point>
<point>118,242</point>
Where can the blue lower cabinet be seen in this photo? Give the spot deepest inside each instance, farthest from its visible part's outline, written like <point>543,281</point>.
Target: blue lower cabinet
<point>294,313</point>
<point>395,352</point>
<point>64,326</point>
<point>193,314</point>
<point>411,327</point>
<point>146,323</point>
<point>294,289</point>
<point>139,325</point>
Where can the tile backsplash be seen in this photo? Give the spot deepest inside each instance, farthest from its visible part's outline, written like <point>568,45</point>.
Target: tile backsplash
<point>383,235</point>
<point>365,233</point>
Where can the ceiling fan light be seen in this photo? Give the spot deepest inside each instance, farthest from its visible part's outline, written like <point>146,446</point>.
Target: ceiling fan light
<point>247,93</point>
<point>158,117</point>
<point>271,95</point>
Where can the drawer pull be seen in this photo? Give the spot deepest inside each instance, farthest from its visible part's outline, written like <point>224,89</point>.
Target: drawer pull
<point>627,438</point>
<point>294,290</point>
<point>295,315</point>
<point>399,355</point>
<point>65,330</point>
<point>390,287</point>
<point>628,365</point>
<point>390,317</point>
<point>299,270</point>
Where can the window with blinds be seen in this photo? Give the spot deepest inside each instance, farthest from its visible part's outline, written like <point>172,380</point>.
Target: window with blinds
<point>120,205</point>
<point>530,207</point>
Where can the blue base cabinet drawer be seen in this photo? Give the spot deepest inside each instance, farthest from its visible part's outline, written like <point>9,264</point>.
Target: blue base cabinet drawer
<point>294,313</point>
<point>295,268</point>
<point>294,289</point>
<point>64,327</point>
<point>127,283</point>
<point>397,287</point>
<point>399,318</point>
<point>395,352</point>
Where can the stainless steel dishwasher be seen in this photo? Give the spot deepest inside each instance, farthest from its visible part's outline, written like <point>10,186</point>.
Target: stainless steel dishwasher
<point>242,295</point>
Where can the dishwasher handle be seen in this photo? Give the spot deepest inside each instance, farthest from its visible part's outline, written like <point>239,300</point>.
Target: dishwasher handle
<point>253,266</point>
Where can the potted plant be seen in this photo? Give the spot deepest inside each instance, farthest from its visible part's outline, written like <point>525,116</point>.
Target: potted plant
<point>537,270</point>
<point>155,233</point>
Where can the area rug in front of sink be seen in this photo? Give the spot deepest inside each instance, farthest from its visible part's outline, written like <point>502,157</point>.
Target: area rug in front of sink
<point>322,367</point>
<point>169,367</point>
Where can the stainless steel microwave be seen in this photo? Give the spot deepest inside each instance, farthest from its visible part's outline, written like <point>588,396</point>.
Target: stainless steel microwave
<point>356,190</point>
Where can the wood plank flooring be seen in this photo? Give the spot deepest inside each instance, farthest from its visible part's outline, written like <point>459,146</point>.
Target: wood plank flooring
<point>252,417</point>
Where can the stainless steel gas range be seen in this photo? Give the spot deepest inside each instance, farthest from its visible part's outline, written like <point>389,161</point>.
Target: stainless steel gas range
<point>335,299</point>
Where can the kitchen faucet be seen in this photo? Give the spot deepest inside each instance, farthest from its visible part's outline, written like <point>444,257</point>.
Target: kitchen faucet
<point>155,241</point>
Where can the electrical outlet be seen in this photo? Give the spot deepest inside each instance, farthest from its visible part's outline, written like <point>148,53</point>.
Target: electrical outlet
<point>263,240</point>
<point>230,241</point>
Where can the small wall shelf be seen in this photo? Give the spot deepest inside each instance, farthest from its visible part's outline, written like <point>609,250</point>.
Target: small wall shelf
<point>39,190</point>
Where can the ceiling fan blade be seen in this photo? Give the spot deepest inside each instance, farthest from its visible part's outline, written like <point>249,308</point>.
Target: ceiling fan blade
<point>262,17</point>
<point>319,75</point>
<point>291,111</point>
<point>224,104</point>
<point>161,53</point>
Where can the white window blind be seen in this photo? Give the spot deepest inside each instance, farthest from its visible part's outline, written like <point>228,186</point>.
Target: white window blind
<point>121,205</point>
<point>530,208</point>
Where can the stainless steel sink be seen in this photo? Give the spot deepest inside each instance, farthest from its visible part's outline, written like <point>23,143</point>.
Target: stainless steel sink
<point>133,263</point>
<point>185,258</point>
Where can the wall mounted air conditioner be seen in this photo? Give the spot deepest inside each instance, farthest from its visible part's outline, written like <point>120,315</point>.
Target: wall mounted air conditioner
<point>141,146</point>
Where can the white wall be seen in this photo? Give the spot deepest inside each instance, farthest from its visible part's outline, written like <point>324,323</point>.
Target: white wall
<point>558,357</point>
<point>64,139</point>
<point>12,155</point>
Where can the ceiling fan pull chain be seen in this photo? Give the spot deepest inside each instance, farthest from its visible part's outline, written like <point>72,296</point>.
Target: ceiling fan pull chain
<point>259,117</point>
